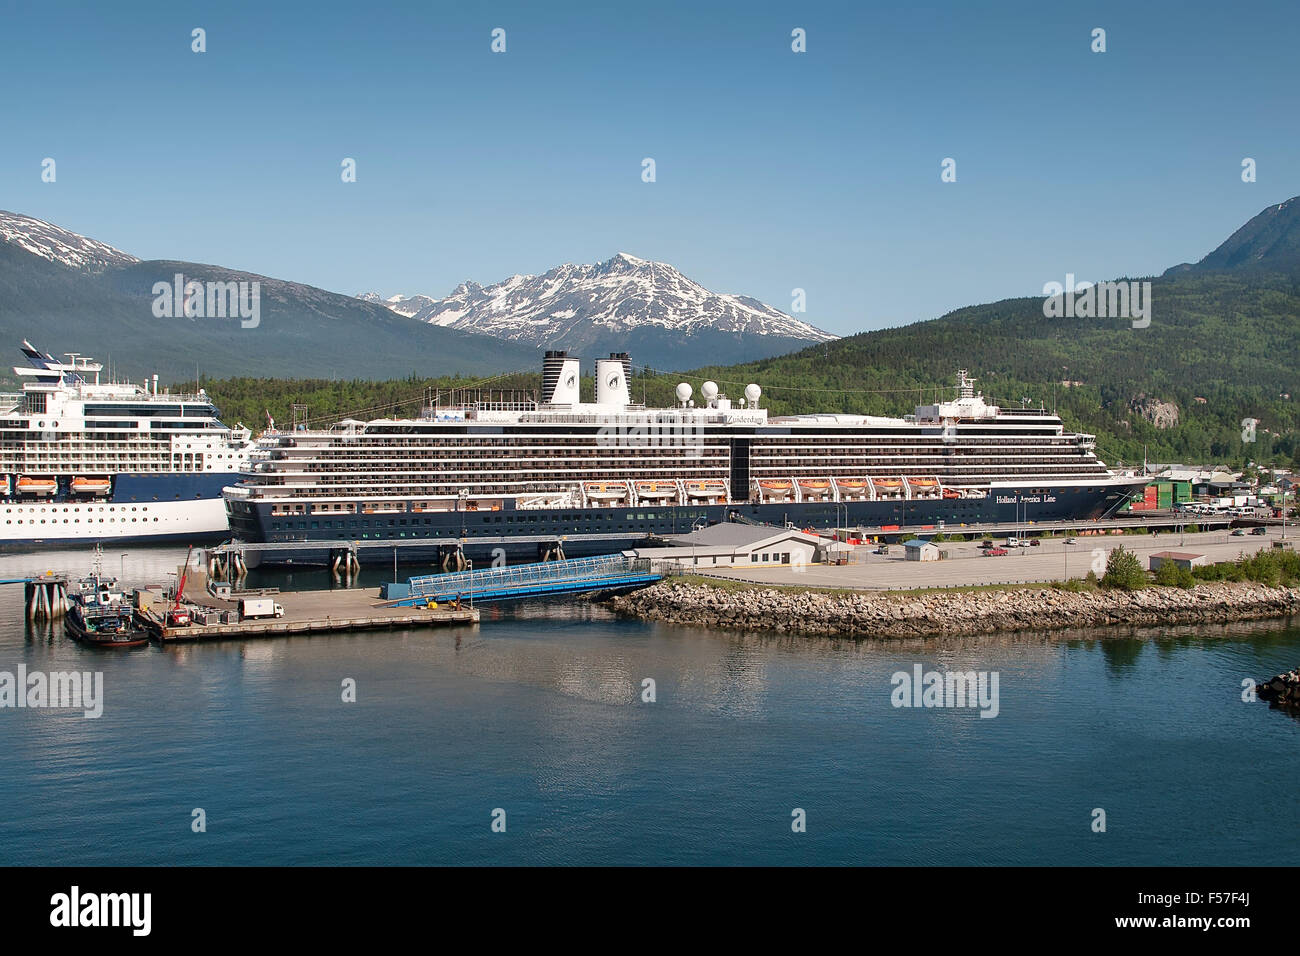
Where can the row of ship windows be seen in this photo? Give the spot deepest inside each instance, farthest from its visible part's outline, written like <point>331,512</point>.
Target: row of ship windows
<point>681,515</point>
<point>75,508</point>
<point>573,524</point>
<point>74,520</point>
<point>661,449</point>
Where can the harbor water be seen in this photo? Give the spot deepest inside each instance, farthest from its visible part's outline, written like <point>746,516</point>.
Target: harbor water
<point>539,718</point>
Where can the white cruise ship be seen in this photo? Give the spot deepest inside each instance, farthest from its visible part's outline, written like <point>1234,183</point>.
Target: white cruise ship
<point>85,460</point>
<point>500,475</point>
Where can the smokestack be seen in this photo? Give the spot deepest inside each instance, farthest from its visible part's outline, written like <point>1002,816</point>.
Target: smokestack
<point>612,389</point>
<point>559,378</point>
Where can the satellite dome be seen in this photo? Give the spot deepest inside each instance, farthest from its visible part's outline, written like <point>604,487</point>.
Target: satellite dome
<point>683,392</point>
<point>709,390</point>
<point>752,393</point>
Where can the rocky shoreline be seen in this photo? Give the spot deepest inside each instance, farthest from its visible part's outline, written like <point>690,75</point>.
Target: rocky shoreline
<point>955,612</point>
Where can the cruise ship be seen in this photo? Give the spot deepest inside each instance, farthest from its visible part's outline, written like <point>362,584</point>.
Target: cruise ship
<point>511,477</point>
<point>85,460</point>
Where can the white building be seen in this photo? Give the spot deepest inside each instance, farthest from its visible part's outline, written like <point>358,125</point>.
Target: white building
<point>730,545</point>
<point>920,550</point>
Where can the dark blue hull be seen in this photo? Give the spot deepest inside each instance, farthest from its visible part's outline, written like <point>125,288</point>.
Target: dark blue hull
<point>514,535</point>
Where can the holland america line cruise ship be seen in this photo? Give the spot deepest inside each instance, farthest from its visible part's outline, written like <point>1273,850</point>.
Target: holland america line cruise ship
<point>82,460</point>
<point>518,479</point>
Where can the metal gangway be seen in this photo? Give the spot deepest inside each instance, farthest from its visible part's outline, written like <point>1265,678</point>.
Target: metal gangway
<point>602,573</point>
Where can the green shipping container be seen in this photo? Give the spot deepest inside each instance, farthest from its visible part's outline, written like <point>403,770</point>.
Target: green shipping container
<point>1182,491</point>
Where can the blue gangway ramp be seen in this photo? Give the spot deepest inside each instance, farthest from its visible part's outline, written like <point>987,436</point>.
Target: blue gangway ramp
<point>601,573</point>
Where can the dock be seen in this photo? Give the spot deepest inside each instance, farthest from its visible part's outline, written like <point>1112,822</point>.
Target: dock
<point>305,612</point>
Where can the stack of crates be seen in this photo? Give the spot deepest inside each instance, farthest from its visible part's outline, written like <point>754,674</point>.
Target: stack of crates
<point>1164,494</point>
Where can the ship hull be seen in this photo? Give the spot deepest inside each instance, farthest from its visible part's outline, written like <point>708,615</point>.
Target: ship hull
<point>514,535</point>
<point>143,509</point>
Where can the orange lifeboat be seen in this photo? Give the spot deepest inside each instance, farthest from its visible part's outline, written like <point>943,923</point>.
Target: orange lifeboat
<point>923,482</point>
<point>36,486</point>
<point>814,484</point>
<point>5,486</point>
<point>775,484</point>
<point>656,489</point>
<point>889,484</point>
<point>706,488</point>
<point>951,493</point>
<point>91,486</point>
<point>605,491</point>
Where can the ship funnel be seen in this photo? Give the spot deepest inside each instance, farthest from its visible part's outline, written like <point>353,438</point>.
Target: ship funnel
<point>559,378</point>
<point>612,388</point>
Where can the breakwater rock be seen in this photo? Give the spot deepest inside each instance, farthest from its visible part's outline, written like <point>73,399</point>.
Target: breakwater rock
<point>1282,690</point>
<point>952,611</point>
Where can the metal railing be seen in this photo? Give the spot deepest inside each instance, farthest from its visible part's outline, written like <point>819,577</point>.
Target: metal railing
<point>542,575</point>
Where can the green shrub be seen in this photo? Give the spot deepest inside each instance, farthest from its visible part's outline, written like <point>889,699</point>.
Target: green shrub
<point>1124,571</point>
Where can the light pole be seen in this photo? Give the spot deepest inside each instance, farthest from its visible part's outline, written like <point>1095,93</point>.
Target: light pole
<point>123,563</point>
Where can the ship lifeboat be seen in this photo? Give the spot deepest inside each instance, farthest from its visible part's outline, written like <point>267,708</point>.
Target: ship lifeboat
<point>816,486</point>
<point>924,486</point>
<point>951,493</point>
<point>605,491</point>
<point>776,486</point>
<point>853,487</point>
<point>5,486</point>
<point>656,490</point>
<point>706,488</point>
<point>889,487</point>
<point>36,486</point>
<point>91,486</point>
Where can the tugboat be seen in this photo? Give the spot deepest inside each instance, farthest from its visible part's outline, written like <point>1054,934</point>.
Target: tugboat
<point>100,615</point>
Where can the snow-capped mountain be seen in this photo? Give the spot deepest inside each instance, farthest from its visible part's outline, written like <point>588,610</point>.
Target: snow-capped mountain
<point>401,304</point>
<point>64,291</point>
<point>59,245</point>
<point>622,304</point>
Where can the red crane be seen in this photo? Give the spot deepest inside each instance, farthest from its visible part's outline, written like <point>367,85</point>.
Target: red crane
<point>179,616</point>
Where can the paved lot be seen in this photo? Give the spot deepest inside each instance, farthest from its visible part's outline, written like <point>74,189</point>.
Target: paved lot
<point>1053,560</point>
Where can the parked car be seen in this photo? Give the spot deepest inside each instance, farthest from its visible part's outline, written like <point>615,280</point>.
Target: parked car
<point>1034,542</point>
<point>1069,541</point>
<point>883,549</point>
<point>996,552</point>
<point>1259,530</point>
<point>1238,532</point>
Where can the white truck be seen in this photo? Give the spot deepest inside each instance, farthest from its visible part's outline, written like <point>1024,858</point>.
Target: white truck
<point>251,608</point>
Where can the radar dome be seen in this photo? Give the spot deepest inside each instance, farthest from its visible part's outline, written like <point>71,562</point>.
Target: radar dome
<point>709,390</point>
<point>683,392</point>
<point>752,392</point>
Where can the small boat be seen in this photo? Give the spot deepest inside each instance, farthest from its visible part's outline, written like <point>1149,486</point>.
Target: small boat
<point>91,486</point>
<point>924,487</point>
<point>815,484</point>
<point>888,484</point>
<point>100,615</point>
<point>5,485</point>
<point>851,488</point>
<point>37,486</point>
<point>951,493</point>
<point>606,491</point>
<point>706,488</point>
<point>656,490</point>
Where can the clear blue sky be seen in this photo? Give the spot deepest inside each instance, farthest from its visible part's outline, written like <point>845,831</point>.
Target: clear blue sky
<point>775,170</point>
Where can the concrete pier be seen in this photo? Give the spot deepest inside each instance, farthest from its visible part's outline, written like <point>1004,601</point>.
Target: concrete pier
<point>305,612</point>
